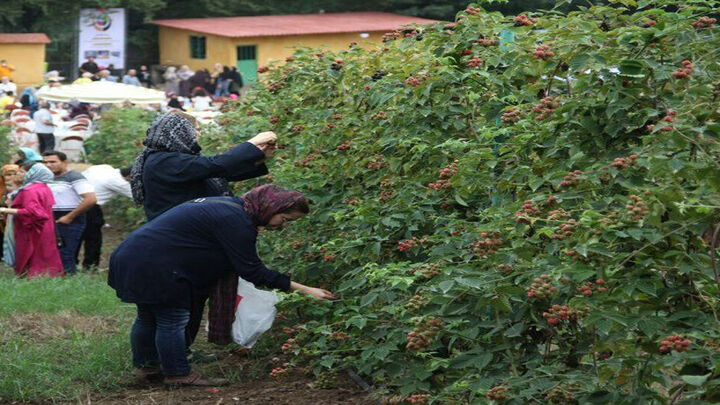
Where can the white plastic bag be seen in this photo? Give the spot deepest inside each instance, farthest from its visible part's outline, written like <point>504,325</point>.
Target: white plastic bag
<point>254,313</point>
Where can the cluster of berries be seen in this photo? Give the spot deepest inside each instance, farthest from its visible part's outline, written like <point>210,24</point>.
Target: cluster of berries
<point>278,373</point>
<point>587,288</point>
<point>421,399</point>
<point>488,42</point>
<point>685,71</point>
<point>524,20</point>
<point>289,346</point>
<point>339,336</point>
<point>250,113</point>
<point>426,271</point>
<point>543,52</point>
<point>448,171</point>
<point>330,125</point>
<point>576,256</point>
<point>424,334</point>
<point>511,115</point>
<point>337,65</point>
<point>609,219</point>
<point>352,201</point>
<point>275,86</point>
<point>328,258</point>
<point>440,184</point>
<point>407,244</point>
<point>474,62</point>
<point>677,342</point>
<point>572,179</point>
<point>386,195</point>
<point>379,74</point>
<point>650,23</point>
<point>380,115</point>
<point>505,268</point>
<point>450,26</point>
<point>416,302</point>
<point>558,214</point>
<point>263,69</point>
<point>413,81</point>
<point>274,119</point>
<point>559,395</point>
<point>565,230</point>
<point>472,10</point>
<point>541,288</point>
<point>498,394</point>
<point>344,146</point>
<point>623,163</point>
<point>488,244</point>
<point>308,159</point>
<point>558,313</point>
<point>297,128</point>
<point>546,107</point>
<point>636,207</point>
<point>704,22</point>
<point>377,163</point>
<point>391,36</point>
<point>336,116</point>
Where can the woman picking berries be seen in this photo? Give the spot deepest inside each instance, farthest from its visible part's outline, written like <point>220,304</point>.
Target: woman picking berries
<point>181,255</point>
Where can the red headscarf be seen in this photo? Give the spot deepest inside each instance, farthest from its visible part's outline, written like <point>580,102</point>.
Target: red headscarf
<point>261,203</point>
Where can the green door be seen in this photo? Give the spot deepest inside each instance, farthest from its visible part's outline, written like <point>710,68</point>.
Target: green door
<point>247,64</point>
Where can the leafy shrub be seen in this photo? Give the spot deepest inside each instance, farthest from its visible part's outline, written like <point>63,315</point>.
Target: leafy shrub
<point>119,136</point>
<point>505,217</point>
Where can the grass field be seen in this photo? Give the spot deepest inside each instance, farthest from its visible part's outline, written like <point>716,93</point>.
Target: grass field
<point>61,339</point>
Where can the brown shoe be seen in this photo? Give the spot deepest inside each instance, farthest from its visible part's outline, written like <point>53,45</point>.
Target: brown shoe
<point>148,374</point>
<point>193,379</point>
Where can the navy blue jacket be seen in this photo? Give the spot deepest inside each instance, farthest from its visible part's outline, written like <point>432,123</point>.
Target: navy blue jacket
<point>180,255</point>
<point>172,178</point>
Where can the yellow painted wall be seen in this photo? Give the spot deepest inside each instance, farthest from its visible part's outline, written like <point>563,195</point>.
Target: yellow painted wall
<point>174,46</point>
<point>28,60</point>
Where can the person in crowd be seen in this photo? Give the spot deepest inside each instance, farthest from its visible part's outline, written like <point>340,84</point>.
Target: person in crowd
<point>201,100</point>
<point>131,78</point>
<point>84,78</point>
<point>222,84</point>
<point>44,127</point>
<point>172,81</point>
<point>7,185</point>
<point>28,100</point>
<point>36,251</point>
<point>74,196</point>
<point>6,85</point>
<point>184,74</point>
<point>6,69</point>
<point>236,83</point>
<point>173,102</point>
<point>89,66</point>
<point>7,102</point>
<point>27,155</point>
<point>185,253</point>
<point>170,171</point>
<point>11,184</point>
<point>145,77</point>
<point>108,182</point>
<point>105,76</point>
<point>78,108</point>
<point>201,79</point>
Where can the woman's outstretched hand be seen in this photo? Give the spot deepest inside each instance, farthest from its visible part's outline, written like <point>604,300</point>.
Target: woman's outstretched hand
<point>312,291</point>
<point>263,138</point>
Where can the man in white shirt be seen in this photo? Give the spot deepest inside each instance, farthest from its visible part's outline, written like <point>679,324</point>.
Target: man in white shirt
<point>108,183</point>
<point>74,196</point>
<point>6,85</point>
<point>44,127</point>
<point>131,78</point>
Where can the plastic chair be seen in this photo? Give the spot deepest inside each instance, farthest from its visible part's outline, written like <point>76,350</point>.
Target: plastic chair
<point>74,147</point>
<point>85,121</point>
<point>17,112</point>
<point>19,119</point>
<point>81,116</point>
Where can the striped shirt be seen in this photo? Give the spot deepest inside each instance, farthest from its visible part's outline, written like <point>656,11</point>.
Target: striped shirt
<point>67,190</point>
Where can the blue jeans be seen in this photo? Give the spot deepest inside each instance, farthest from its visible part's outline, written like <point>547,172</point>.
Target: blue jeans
<point>158,337</point>
<point>71,236</point>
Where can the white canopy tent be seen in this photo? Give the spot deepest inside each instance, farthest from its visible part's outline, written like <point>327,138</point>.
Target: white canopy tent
<point>102,92</point>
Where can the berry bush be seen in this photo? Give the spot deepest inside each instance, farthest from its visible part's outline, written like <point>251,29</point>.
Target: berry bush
<point>518,208</point>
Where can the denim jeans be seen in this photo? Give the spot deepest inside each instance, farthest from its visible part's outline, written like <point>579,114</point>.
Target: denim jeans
<point>71,235</point>
<point>158,337</point>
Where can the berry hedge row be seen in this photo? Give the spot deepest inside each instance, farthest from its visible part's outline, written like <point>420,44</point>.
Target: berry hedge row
<point>512,208</point>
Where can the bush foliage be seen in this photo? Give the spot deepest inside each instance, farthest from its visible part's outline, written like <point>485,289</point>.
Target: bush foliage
<point>119,136</point>
<point>511,208</point>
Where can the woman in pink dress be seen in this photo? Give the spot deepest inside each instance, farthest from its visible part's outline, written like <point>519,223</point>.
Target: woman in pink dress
<point>36,251</point>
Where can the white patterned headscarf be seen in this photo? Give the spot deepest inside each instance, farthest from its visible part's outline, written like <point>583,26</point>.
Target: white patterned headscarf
<point>169,132</point>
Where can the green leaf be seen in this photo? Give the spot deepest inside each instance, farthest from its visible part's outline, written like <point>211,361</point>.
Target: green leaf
<point>696,380</point>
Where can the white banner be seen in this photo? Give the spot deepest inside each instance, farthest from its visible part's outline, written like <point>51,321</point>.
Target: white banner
<point>102,36</point>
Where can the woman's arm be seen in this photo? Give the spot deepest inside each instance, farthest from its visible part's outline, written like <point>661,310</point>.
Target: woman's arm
<point>312,291</point>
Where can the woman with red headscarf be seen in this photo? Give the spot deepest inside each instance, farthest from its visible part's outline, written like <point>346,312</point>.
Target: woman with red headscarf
<point>181,255</point>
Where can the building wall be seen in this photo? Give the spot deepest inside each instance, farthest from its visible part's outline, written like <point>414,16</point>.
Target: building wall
<point>28,60</point>
<point>174,46</point>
